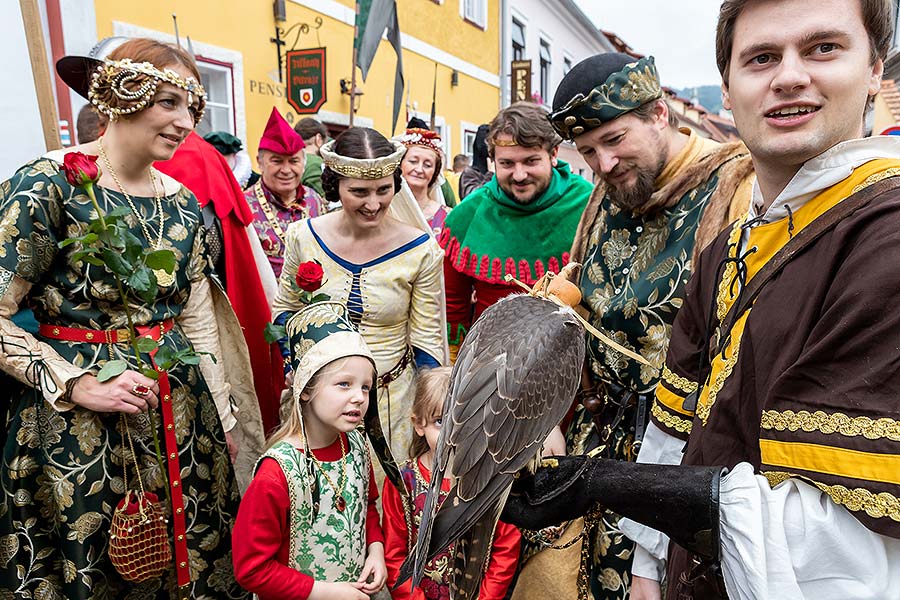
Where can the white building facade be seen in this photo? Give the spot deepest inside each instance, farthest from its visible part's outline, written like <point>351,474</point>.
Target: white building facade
<point>555,35</point>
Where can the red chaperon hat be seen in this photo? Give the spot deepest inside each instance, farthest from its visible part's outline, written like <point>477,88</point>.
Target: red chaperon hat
<point>279,137</point>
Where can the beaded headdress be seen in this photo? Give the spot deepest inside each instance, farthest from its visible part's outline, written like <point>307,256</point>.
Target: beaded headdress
<point>123,87</point>
<point>622,91</point>
<point>362,168</point>
<point>421,137</point>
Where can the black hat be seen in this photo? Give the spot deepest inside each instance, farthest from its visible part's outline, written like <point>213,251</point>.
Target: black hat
<point>76,72</point>
<point>600,89</point>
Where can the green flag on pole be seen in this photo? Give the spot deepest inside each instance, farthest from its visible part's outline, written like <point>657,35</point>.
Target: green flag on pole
<point>372,18</point>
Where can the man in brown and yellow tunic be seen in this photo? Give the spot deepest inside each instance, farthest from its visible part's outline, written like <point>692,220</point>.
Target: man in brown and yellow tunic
<point>782,371</point>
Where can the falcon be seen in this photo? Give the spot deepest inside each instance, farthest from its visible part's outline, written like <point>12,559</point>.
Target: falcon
<point>515,376</point>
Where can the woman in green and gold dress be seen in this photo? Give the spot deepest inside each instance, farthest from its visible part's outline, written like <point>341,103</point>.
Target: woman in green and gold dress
<point>380,261</point>
<point>65,452</point>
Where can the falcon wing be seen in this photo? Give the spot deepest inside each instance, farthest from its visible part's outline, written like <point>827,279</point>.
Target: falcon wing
<point>514,380</point>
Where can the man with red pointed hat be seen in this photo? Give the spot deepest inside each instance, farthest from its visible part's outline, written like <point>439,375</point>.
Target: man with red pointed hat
<point>279,198</point>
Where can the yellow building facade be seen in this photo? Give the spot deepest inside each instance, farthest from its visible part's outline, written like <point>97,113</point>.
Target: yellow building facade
<point>451,44</point>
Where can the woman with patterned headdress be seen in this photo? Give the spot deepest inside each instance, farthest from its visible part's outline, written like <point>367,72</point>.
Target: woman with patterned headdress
<point>380,260</point>
<point>421,170</point>
<point>76,439</point>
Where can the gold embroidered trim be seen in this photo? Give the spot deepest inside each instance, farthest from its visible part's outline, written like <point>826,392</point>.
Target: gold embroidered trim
<point>729,273</point>
<point>872,429</point>
<point>671,421</point>
<point>683,384</point>
<point>876,505</point>
<point>875,178</point>
<point>704,408</point>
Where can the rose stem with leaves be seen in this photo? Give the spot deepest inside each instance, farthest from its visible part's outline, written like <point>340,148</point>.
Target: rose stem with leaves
<point>89,188</point>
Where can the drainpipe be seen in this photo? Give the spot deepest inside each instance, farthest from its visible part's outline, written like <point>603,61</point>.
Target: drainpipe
<point>505,23</point>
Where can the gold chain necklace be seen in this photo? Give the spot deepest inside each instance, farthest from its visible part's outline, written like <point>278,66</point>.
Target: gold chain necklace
<point>271,215</point>
<point>339,501</point>
<point>162,277</point>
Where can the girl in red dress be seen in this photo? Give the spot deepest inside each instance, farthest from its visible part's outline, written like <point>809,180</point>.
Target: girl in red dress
<point>431,390</point>
<point>307,527</point>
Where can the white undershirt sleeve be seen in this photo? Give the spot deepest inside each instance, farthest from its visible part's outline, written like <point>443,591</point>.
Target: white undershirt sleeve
<point>793,541</point>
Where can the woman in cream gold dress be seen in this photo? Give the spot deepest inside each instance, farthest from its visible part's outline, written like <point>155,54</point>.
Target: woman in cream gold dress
<point>381,261</point>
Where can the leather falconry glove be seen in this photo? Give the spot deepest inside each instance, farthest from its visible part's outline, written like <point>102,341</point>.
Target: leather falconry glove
<point>680,501</point>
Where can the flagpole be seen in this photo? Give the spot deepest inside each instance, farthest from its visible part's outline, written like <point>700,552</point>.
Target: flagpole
<point>40,71</point>
<point>434,98</point>
<point>353,68</point>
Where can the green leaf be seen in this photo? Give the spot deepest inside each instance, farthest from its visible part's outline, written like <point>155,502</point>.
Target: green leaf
<point>149,295</point>
<point>151,373</point>
<point>119,212</point>
<point>111,369</point>
<point>165,358</point>
<point>319,298</point>
<point>116,263</point>
<point>134,248</point>
<point>145,344</point>
<point>189,359</point>
<point>161,259</point>
<point>87,256</point>
<point>96,226</point>
<point>139,280</point>
<point>273,333</point>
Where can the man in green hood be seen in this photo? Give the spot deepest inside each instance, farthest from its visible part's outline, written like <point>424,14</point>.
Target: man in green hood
<point>521,223</point>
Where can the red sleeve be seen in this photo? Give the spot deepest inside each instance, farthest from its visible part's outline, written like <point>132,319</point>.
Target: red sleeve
<point>502,566</point>
<point>373,520</point>
<point>395,539</point>
<point>458,289</point>
<point>259,534</point>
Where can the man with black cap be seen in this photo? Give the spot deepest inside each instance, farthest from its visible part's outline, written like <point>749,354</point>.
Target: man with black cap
<point>663,194</point>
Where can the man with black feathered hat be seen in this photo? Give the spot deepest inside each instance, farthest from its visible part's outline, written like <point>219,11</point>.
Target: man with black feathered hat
<point>663,194</point>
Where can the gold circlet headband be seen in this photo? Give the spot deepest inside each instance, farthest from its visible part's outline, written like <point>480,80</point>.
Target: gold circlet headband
<point>504,143</point>
<point>362,168</point>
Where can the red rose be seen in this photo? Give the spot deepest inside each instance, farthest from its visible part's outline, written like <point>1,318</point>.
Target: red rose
<point>80,169</point>
<point>309,276</point>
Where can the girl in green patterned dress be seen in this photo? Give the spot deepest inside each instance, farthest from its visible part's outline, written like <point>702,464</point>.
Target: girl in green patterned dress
<point>308,526</point>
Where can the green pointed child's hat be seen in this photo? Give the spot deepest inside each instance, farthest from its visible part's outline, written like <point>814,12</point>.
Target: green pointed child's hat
<point>319,334</point>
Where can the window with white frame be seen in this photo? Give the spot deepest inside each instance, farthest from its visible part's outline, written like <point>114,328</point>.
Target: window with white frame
<point>217,79</point>
<point>474,11</point>
<point>468,141</point>
<point>567,65</point>
<point>518,41</point>
<point>545,70</point>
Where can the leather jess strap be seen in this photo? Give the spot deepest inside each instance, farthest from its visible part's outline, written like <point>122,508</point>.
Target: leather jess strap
<point>806,236</point>
<point>121,336</point>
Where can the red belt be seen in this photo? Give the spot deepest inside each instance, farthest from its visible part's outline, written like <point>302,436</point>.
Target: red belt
<point>120,336</point>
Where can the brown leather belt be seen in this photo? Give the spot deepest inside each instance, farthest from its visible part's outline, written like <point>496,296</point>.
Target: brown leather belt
<point>397,370</point>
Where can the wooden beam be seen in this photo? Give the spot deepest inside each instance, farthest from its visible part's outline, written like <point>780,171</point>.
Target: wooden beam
<point>40,70</point>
